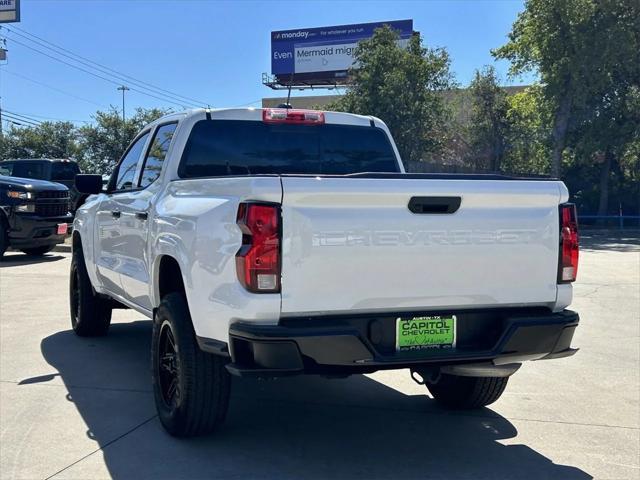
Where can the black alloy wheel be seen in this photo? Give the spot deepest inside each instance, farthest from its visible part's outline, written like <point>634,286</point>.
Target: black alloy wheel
<point>168,367</point>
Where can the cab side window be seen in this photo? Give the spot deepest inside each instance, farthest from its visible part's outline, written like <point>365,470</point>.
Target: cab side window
<point>6,168</point>
<point>157,154</point>
<point>127,168</point>
<point>64,171</point>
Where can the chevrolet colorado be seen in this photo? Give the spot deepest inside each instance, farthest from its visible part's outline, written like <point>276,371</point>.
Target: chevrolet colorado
<point>278,242</point>
<point>34,215</point>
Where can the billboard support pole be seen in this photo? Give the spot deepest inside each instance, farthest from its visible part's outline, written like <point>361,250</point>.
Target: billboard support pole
<point>289,91</point>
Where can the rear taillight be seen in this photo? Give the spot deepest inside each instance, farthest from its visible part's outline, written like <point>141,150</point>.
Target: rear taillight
<point>569,245</point>
<point>258,260</point>
<point>284,115</point>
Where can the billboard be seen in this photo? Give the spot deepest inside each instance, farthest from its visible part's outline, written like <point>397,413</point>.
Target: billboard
<point>323,55</point>
<point>9,11</point>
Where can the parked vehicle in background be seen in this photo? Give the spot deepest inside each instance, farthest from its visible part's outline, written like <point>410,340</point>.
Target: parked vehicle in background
<point>59,170</point>
<point>34,215</point>
<point>279,242</point>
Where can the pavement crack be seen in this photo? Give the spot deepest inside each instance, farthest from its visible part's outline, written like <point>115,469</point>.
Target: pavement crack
<point>103,446</point>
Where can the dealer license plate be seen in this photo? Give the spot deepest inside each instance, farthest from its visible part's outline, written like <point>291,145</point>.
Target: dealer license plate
<point>420,333</point>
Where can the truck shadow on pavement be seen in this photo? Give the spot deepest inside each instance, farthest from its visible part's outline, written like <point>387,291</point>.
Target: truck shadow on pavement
<point>20,259</point>
<point>302,427</point>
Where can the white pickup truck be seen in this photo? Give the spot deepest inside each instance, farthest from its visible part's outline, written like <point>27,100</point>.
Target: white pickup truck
<point>270,242</point>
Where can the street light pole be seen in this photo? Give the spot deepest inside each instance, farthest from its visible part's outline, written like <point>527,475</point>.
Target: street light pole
<point>124,89</point>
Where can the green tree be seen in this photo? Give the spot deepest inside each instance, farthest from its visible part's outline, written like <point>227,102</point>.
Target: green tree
<point>528,133</point>
<point>602,143</point>
<point>586,52</point>
<point>488,121</point>
<point>47,140</point>
<point>610,116</point>
<point>103,143</point>
<point>401,85</point>
<point>561,41</point>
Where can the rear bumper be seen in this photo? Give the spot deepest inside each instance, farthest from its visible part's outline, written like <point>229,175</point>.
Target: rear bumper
<point>361,344</point>
<point>28,230</point>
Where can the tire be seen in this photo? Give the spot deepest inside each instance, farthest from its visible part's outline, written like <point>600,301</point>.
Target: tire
<point>453,391</point>
<point>90,314</point>
<point>37,251</point>
<point>4,240</point>
<point>191,387</point>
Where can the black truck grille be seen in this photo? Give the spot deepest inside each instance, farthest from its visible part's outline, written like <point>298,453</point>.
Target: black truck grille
<point>52,209</point>
<point>53,203</point>
<point>53,194</point>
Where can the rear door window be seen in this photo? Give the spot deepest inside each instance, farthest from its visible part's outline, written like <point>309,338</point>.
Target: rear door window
<point>231,147</point>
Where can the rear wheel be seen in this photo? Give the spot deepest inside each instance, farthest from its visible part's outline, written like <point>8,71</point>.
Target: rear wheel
<point>90,314</point>
<point>453,391</point>
<point>191,387</point>
<point>37,251</point>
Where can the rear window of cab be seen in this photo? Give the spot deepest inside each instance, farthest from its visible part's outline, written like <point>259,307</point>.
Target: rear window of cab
<point>239,147</point>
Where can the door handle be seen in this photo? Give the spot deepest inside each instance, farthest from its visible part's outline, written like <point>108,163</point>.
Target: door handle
<point>142,215</point>
<point>434,205</point>
<point>115,213</point>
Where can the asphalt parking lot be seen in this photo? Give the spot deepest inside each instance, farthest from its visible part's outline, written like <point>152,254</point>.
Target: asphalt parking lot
<point>82,408</point>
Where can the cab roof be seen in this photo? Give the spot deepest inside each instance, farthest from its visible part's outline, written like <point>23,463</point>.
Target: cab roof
<point>250,113</point>
<point>39,160</point>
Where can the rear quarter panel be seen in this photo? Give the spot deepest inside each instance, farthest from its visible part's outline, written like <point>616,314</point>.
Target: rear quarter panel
<point>195,223</point>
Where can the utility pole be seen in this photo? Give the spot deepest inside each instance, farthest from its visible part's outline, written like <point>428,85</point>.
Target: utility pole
<point>3,58</point>
<point>124,89</point>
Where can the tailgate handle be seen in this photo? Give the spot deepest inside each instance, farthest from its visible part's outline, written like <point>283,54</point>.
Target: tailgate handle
<point>434,205</point>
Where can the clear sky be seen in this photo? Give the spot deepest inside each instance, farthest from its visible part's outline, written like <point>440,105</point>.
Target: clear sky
<point>212,51</point>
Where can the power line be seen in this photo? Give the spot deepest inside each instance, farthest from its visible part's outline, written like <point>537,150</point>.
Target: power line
<point>53,88</point>
<point>12,122</point>
<point>20,120</point>
<point>182,104</point>
<point>165,95</point>
<point>98,66</point>
<point>33,115</point>
<point>95,74</point>
<point>22,116</point>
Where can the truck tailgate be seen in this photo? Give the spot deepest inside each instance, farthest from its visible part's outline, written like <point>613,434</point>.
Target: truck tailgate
<point>352,244</point>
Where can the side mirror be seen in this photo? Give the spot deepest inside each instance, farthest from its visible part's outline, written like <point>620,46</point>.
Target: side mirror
<point>89,184</point>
